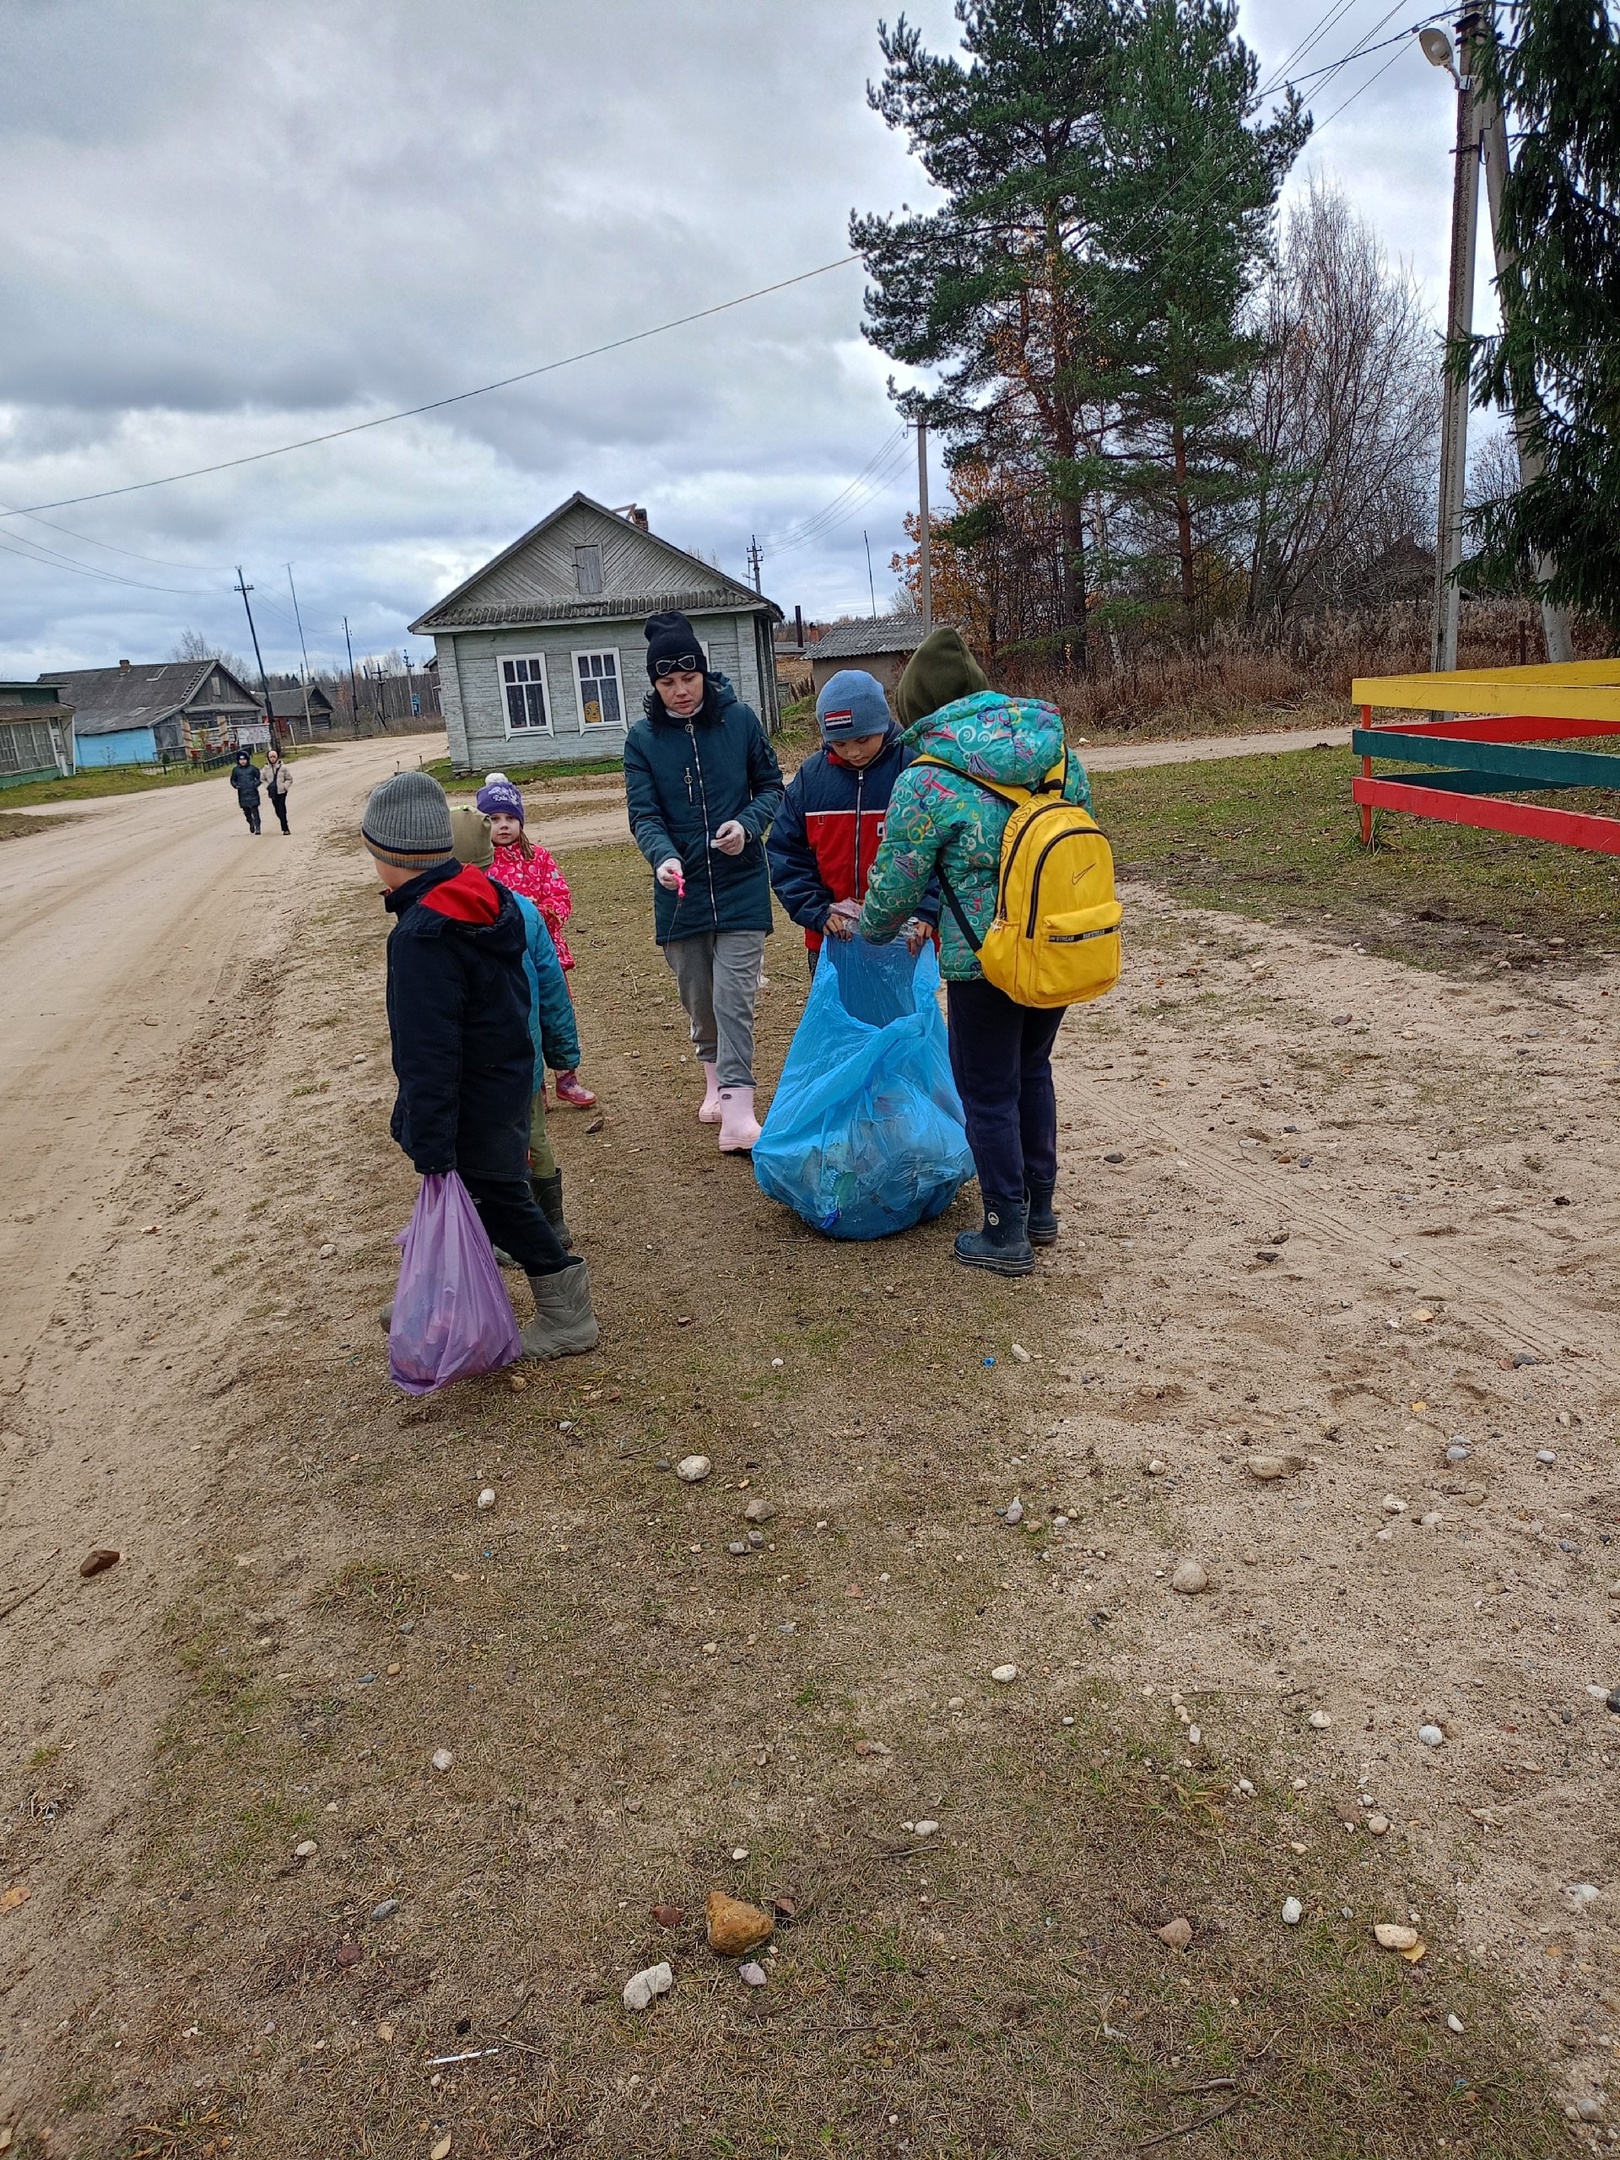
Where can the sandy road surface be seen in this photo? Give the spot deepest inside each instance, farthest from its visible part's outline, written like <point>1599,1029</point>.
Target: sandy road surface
<point>113,937</point>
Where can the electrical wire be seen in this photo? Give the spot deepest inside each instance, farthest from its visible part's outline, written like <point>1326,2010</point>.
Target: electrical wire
<point>48,558</point>
<point>161,561</point>
<point>880,486</point>
<point>1324,23</point>
<point>1366,86</point>
<point>458,397</point>
<point>873,476</point>
<point>1324,75</point>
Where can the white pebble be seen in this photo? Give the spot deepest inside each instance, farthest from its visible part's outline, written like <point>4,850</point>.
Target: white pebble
<point>642,1987</point>
<point>1195,1736</point>
<point>957,1702</point>
<point>1244,1787</point>
<point>925,1829</point>
<point>1015,1513</point>
<point>1020,1354</point>
<point>306,1851</point>
<point>739,1852</point>
<point>327,1251</point>
<point>442,1758</point>
<point>1431,1521</point>
<point>1545,1455</point>
<point>692,1469</point>
<point>1392,1505</point>
<point>1005,1674</point>
<point>1293,1912</point>
<point>1431,1736</point>
<point>486,1499</point>
<point>1155,1467</point>
<point>1453,2022</point>
<point>1189,1578</point>
<point>751,1975</point>
<point>1320,1720</point>
<point>1582,1893</point>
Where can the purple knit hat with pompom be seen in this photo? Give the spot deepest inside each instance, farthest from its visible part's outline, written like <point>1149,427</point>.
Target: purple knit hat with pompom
<point>501,799</point>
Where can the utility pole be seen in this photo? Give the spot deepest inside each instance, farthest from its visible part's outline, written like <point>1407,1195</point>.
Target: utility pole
<point>870,585</point>
<point>410,687</point>
<point>754,559</point>
<point>244,589</point>
<point>924,565</point>
<point>309,732</point>
<point>1459,325</point>
<point>354,687</point>
<point>1555,622</point>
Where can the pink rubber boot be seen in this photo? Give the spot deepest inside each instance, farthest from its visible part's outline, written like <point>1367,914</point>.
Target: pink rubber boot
<point>739,1128</point>
<point>709,1113</point>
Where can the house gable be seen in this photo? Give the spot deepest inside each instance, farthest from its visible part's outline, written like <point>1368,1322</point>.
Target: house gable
<point>548,575</point>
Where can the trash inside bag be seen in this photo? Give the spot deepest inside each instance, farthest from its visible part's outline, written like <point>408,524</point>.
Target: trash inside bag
<point>865,1134</point>
<point>452,1318</point>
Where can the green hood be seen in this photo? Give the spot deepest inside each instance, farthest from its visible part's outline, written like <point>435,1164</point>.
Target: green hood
<point>939,672</point>
<point>1012,742</point>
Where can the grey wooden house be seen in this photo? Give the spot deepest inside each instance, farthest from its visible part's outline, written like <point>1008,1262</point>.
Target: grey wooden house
<point>541,653</point>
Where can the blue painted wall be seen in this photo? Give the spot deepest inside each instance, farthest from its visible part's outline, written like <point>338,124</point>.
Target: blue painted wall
<point>130,746</point>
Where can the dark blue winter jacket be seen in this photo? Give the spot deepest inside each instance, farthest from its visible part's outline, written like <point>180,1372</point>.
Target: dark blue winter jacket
<point>458,1018</point>
<point>683,780</point>
<point>245,779</point>
<point>827,832</point>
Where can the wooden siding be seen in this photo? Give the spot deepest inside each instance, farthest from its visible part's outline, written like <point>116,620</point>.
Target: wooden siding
<point>474,700</point>
<point>633,562</point>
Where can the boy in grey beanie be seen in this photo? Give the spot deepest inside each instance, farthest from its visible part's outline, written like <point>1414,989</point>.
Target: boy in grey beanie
<point>458,1021</point>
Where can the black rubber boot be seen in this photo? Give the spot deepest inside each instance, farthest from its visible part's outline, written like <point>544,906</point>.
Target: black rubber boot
<point>1041,1222</point>
<point>1002,1245</point>
<point>549,1200</point>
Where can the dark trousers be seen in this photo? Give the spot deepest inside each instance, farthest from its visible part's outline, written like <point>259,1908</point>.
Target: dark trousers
<point>278,804</point>
<point>1001,1060</point>
<point>506,1208</point>
<point>250,810</point>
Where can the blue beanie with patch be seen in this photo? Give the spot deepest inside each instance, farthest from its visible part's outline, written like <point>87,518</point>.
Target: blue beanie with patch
<point>852,703</point>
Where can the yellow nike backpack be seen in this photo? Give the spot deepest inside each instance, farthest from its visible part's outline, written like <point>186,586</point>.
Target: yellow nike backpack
<point>1055,937</point>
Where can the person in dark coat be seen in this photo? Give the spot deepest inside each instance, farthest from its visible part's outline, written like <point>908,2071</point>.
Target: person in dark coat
<point>702,785</point>
<point>458,1022</point>
<point>245,777</point>
<point>827,833</point>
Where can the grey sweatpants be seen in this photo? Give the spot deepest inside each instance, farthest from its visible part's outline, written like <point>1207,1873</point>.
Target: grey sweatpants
<point>717,975</point>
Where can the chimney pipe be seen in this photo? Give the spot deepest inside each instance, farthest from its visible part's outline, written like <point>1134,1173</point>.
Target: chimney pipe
<point>123,667</point>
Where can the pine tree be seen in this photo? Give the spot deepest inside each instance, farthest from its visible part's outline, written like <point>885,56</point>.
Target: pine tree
<point>1555,67</point>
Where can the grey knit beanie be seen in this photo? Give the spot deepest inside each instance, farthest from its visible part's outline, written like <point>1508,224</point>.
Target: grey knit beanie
<point>407,822</point>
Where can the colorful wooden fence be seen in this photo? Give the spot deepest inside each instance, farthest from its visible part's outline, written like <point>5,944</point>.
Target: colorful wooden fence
<point>1486,717</point>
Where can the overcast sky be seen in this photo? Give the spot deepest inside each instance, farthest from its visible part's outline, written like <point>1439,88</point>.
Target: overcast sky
<point>227,228</point>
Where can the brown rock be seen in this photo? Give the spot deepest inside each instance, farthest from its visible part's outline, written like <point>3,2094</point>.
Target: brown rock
<point>98,1559</point>
<point>668,1916</point>
<point>1178,1933</point>
<point>736,1927</point>
<point>348,1954</point>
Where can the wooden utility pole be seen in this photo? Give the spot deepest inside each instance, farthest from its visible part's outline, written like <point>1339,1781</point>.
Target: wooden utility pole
<point>1459,325</point>
<point>354,687</point>
<point>303,680</point>
<point>925,566</point>
<point>244,589</point>
<point>1555,624</point>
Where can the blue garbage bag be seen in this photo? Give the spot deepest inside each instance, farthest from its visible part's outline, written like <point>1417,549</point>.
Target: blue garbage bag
<point>865,1134</point>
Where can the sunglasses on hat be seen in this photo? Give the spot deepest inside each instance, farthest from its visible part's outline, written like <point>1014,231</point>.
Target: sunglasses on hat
<point>684,664</point>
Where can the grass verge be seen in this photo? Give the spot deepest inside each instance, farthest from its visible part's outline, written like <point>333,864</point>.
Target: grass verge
<point>1279,839</point>
<point>638,1713</point>
<point>133,779</point>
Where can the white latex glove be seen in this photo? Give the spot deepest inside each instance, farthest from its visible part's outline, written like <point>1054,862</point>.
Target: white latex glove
<point>670,874</point>
<point>916,934</point>
<point>731,839</point>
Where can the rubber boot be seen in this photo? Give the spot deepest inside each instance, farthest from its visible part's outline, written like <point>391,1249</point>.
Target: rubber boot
<point>1002,1245</point>
<point>564,1323</point>
<point>549,1200</point>
<point>709,1113</point>
<point>1041,1223</point>
<point>739,1128</point>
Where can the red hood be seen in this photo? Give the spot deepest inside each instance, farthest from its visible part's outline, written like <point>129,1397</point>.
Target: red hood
<point>468,897</point>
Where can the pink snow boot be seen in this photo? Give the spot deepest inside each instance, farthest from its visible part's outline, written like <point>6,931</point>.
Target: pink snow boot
<point>739,1128</point>
<point>709,1114</point>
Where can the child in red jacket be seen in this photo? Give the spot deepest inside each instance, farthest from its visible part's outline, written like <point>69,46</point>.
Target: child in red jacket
<point>524,867</point>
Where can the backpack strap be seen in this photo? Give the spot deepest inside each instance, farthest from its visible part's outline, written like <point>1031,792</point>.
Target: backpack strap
<point>957,910</point>
<point>1010,796</point>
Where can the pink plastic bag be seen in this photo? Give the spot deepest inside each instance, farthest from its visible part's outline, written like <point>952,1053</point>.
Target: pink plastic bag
<point>452,1318</point>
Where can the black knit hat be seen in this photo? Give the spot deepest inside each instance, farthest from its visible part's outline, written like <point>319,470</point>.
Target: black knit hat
<point>671,639</point>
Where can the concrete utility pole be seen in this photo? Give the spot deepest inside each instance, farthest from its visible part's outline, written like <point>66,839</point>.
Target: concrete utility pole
<point>755,557</point>
<point>303,680</point>
<point>244,589</point>
<point>924,565</point>
<point>354,687</point>
<point>1555,622</point>
<point>1459,325</point>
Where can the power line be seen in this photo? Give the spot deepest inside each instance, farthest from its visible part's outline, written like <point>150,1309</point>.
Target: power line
<point>795,532</point>
<point>49,558</point>
<point>1367,85</point>
<point>458,397</point>
<point>873,478</point>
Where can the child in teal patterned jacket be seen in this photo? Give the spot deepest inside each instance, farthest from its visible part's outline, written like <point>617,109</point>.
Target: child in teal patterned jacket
<point>949,823</point>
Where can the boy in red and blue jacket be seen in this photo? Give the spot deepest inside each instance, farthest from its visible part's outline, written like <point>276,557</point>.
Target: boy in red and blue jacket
<point>825,837</point>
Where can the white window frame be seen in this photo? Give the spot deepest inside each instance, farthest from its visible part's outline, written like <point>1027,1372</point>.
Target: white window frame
<point>599,652</point>
<point>535,661</point>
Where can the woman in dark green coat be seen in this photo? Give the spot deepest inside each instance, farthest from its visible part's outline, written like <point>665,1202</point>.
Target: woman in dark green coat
<point>702,785</point>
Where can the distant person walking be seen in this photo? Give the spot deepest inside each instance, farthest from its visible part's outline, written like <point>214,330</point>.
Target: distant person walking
<point>702,785</point>
<point>277,780</point>
<point>245,778</point>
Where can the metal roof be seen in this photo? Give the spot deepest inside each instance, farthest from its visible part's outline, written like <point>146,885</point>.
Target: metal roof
<point>856,640</point>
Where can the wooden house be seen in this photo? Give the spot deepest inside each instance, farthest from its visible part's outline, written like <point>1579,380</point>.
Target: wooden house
<point>140,715</point>
<point>541,653</point>
<point>879,646</point>
<point>290,708</point>
<point>36,733</point>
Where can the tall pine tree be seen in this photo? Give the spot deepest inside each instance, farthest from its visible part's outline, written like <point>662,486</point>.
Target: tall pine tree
<point>1555,67</point>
